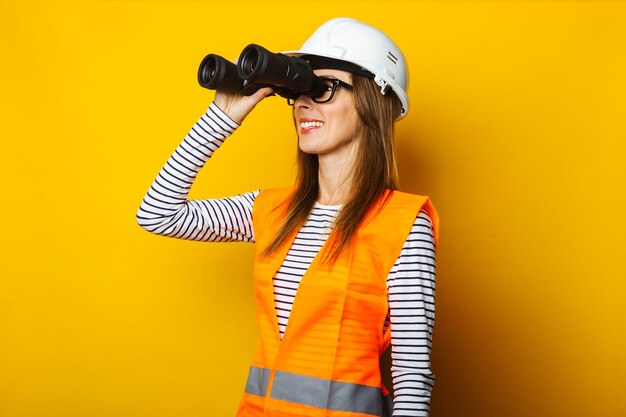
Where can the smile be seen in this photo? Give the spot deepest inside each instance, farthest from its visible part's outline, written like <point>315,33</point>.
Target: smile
<point>309,125</point>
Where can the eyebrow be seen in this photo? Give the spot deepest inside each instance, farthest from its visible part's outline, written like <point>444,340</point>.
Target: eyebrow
<point>329,77</point>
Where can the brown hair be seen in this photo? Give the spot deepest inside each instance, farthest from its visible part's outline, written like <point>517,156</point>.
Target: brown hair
<point>374,170</point>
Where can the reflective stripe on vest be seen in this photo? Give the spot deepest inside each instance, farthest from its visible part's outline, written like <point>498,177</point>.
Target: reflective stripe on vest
<point>317,392</point>
<point>327,364</point>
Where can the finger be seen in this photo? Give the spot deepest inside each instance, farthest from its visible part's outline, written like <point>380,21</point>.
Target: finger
<point>261,93</point>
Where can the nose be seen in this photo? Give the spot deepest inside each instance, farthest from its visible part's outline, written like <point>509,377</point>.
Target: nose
<point>303,102</point>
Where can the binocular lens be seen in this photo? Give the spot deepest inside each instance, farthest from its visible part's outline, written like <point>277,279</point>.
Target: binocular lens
<point>253,62</point>
<point>216,72</point>
<point>249,63</point>
<point>207,73</point>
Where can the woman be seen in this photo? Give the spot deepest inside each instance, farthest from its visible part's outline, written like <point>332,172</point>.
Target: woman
<point>360,256</point>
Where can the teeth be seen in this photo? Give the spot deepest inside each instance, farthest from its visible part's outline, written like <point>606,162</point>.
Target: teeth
<point>308,125</point>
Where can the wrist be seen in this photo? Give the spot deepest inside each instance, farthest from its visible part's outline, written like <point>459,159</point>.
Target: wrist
<point>223,112</point>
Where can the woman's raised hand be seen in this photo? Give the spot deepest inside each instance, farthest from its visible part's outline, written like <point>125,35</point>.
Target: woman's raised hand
<point>237,106</point>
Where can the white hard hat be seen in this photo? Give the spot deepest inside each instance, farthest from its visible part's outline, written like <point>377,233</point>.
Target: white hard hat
<point>349,40</point>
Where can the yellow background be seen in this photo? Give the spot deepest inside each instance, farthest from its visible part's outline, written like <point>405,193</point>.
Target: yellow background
<point>516,130</point>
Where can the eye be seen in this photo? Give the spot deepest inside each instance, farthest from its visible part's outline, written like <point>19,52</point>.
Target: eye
<point>329,84</point>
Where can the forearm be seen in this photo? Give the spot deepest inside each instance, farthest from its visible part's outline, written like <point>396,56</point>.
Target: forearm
<point>166,210</point>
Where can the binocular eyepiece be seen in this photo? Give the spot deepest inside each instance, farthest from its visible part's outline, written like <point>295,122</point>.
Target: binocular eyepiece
<point>256,68</point>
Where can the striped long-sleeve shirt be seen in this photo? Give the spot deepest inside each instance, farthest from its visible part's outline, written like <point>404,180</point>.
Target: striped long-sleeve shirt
<point>166,210</point>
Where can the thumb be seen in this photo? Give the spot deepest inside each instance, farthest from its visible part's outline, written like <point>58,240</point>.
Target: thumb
<point>263,92</point>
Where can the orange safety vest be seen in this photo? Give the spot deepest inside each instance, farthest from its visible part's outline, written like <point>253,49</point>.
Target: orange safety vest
<point>328,362</point>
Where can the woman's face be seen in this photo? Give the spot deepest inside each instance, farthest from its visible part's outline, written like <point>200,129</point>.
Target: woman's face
<point>327,128</point>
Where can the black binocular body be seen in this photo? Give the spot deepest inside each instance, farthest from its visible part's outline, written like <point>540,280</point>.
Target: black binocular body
<point>256,68</point>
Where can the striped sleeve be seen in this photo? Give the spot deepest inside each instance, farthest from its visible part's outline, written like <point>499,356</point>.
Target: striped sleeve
<point>411,284</point>
<point>166,210</point>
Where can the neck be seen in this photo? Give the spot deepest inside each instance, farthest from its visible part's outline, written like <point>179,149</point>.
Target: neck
<point>334,177</point>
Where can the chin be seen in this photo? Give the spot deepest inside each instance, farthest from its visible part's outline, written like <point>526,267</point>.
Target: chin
<point>306,148</point>
<point>309,151</point>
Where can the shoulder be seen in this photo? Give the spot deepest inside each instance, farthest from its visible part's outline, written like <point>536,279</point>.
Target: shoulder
<point>423,219</point>
<point>412,202</point>
<point>270,199</point>
<point>423,228</point>
<point>426,216</point>
<point>408,197</point>
<point>422,234</point>
<point>274,196</point>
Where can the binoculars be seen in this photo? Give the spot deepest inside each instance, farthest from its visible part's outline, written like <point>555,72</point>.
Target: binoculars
<point>256,68</point>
